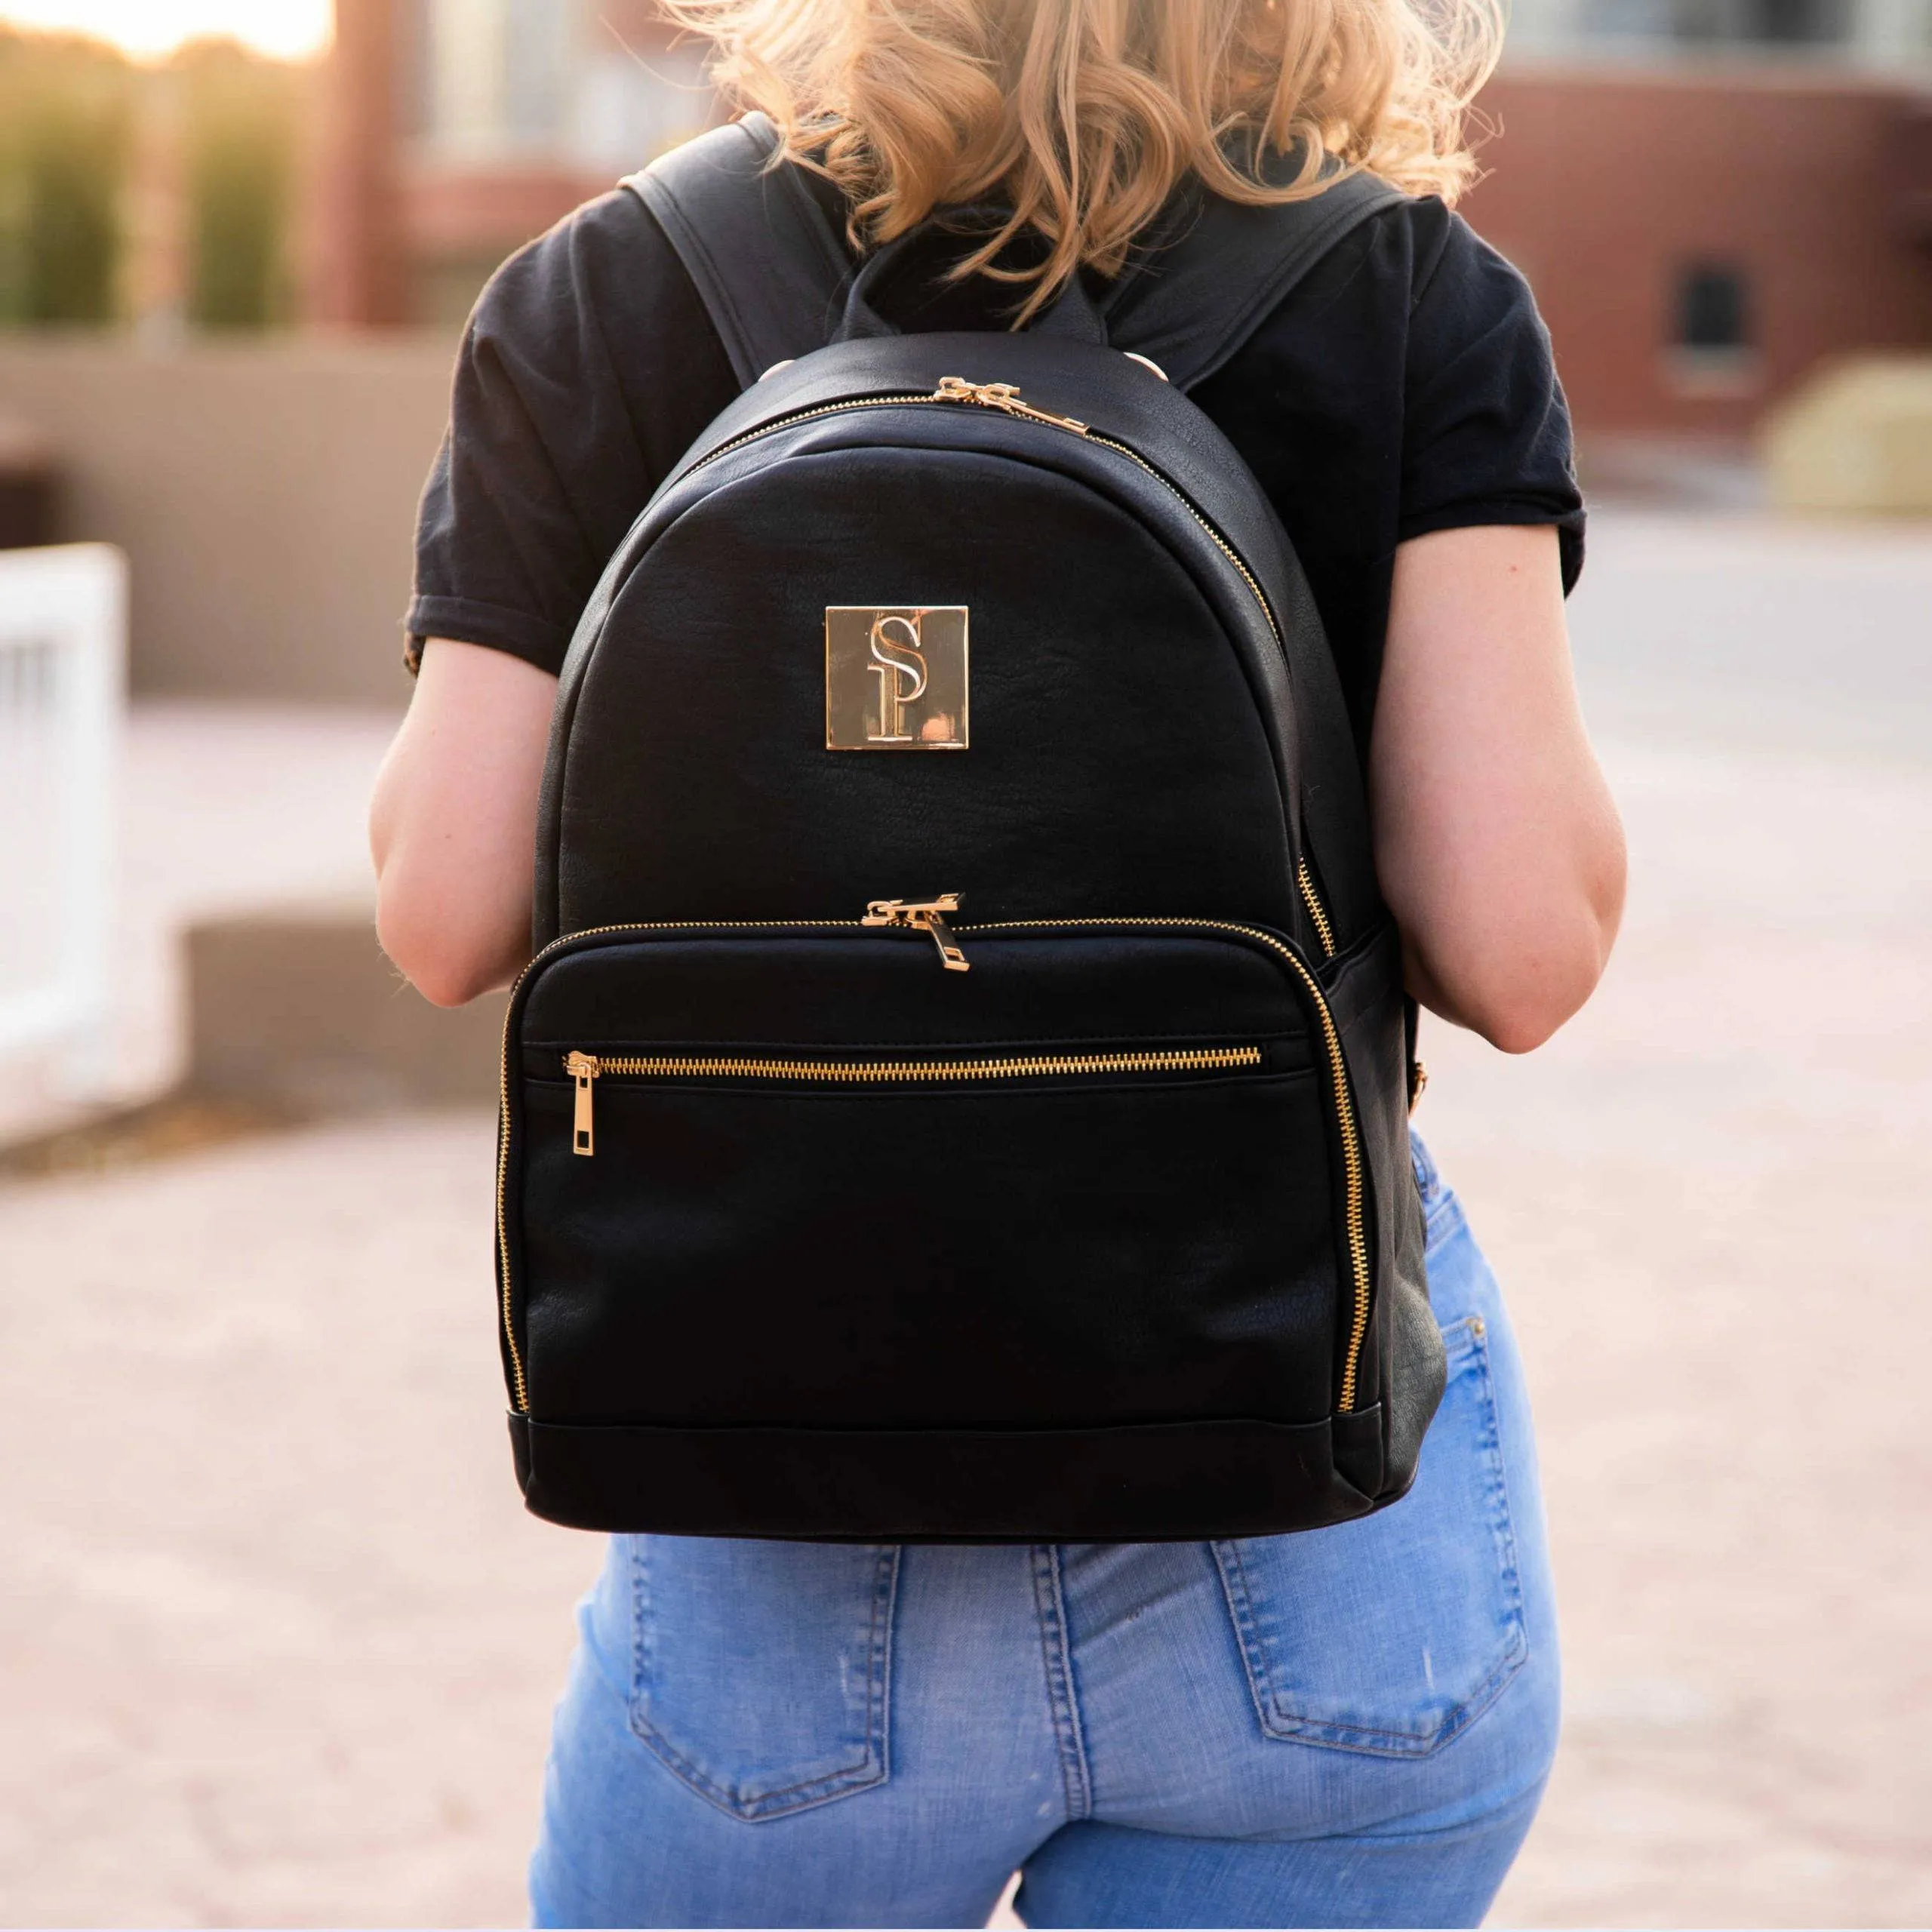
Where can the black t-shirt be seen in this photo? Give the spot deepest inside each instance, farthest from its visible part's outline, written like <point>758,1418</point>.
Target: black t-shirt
<point>1406,386</point>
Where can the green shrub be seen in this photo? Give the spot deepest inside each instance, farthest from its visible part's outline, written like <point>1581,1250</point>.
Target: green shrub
<point>65,126</point>
<point>240,123</point>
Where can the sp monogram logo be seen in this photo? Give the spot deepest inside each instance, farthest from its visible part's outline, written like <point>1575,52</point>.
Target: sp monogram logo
<point>895,659</point>
<point>895,677</point>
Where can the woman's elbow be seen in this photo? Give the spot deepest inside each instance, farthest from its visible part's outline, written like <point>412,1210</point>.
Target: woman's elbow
<point>1518,1018</point>
<point>1517,981</point>
<point>447,983</point>
<point>446,961</point>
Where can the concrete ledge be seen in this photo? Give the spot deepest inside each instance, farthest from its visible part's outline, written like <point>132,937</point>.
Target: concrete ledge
<point>299,1010</point>
<point>1857,442</point>
<point>293,1016</point>
<point>266,490</point>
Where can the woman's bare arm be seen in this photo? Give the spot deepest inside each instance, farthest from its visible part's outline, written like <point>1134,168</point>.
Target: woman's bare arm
<point>1498,849</point>
<point>453,824</point>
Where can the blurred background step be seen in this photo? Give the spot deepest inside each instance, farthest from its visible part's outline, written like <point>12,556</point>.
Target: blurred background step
<point>1856,441</point>
<point>299,1010</point>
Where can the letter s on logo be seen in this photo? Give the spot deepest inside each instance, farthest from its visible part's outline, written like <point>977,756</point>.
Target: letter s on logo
<point>895,660</point>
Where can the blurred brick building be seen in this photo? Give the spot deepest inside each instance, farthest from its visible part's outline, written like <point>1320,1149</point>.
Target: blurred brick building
<point>458,129</point>
<point>1701,238</point>
<point>1712,197</point>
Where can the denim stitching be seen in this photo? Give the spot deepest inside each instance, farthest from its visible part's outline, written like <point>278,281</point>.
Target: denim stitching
<point>1049,1600</point>
<point>1421,1164</point>
<point>1398,1743</point>
<point>1442,1211</point>
<point>640,1625</point>
<point>1503,1519</point>
<point>871,1767</point>
<point>1240,1611</point>
<point>878,1667</point>
<point>1444,1221</point>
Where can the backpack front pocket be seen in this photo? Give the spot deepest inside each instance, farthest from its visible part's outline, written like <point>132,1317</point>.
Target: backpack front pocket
<point>802,1178</point>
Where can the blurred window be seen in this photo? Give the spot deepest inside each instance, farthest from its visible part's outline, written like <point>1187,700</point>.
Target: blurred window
<point>1660,24</point>
<point>1800,23</point>
<point>1712,350</point>
<point>1713,306</point>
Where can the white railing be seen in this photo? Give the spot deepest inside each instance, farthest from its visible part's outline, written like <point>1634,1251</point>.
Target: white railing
<point>62,678</point>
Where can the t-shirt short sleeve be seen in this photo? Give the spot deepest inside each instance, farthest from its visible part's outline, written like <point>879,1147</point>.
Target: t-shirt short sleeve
<point>1404,386</point>
<point>1486,430</point>
<point>587,369</point>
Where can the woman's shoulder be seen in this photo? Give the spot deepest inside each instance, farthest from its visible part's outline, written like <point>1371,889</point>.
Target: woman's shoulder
<point>588,368</point>
<point>597,331</point>
<point>1416,259</point>
<point>607,262</point>
<point>1408,295</point>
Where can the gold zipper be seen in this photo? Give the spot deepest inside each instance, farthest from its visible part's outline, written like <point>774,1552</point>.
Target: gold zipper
<point>1003,396</point>
<point>1352,1161</point>
<point>1317,912</point>
<point>585,1070</point>
<point>923,916</point>
<point>886,399</point>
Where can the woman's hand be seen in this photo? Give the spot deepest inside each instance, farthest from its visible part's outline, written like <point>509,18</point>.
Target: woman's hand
<point>1498,849</point>
<point>453,824</point>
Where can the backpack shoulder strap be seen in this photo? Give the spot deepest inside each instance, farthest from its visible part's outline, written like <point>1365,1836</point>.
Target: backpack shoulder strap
<point>1190,303</point>
<point>1214,274</point>
<point>762,253</point>
<point>773,273</point>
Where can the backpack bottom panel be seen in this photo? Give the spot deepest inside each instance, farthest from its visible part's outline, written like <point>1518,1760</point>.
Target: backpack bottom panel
<point>1145,1483</point>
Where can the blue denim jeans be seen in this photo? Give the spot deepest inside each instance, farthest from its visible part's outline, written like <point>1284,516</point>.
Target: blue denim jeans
<point>1350,1727</point>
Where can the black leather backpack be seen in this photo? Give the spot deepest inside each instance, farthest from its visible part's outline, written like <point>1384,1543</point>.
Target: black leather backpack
<point>961,1091</point>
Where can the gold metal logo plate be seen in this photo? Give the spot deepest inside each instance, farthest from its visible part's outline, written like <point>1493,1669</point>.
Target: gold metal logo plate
<point>895,677</point>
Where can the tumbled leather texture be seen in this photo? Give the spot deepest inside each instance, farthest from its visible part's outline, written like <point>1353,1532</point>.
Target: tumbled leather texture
<point>1061,1307</point>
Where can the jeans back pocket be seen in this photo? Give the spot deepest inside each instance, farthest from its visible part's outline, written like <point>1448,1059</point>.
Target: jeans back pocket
<point>760,1670</point>
<point>1392,1634</point>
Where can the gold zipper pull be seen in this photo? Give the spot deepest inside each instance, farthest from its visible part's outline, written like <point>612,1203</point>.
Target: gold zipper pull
<point>924,915</point>
<point>1003,396</point>
<point>583,1069</point>
<point>950,955</point>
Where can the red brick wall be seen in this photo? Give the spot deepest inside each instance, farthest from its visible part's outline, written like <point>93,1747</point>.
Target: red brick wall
<point>489,211</point>
<point>1601,186</point>
<point>357,273</point>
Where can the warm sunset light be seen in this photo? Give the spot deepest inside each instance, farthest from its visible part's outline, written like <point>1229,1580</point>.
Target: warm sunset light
<point>288,28</point>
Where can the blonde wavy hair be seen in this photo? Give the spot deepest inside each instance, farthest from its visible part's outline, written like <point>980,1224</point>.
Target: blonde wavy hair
<point>1083,115</point>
